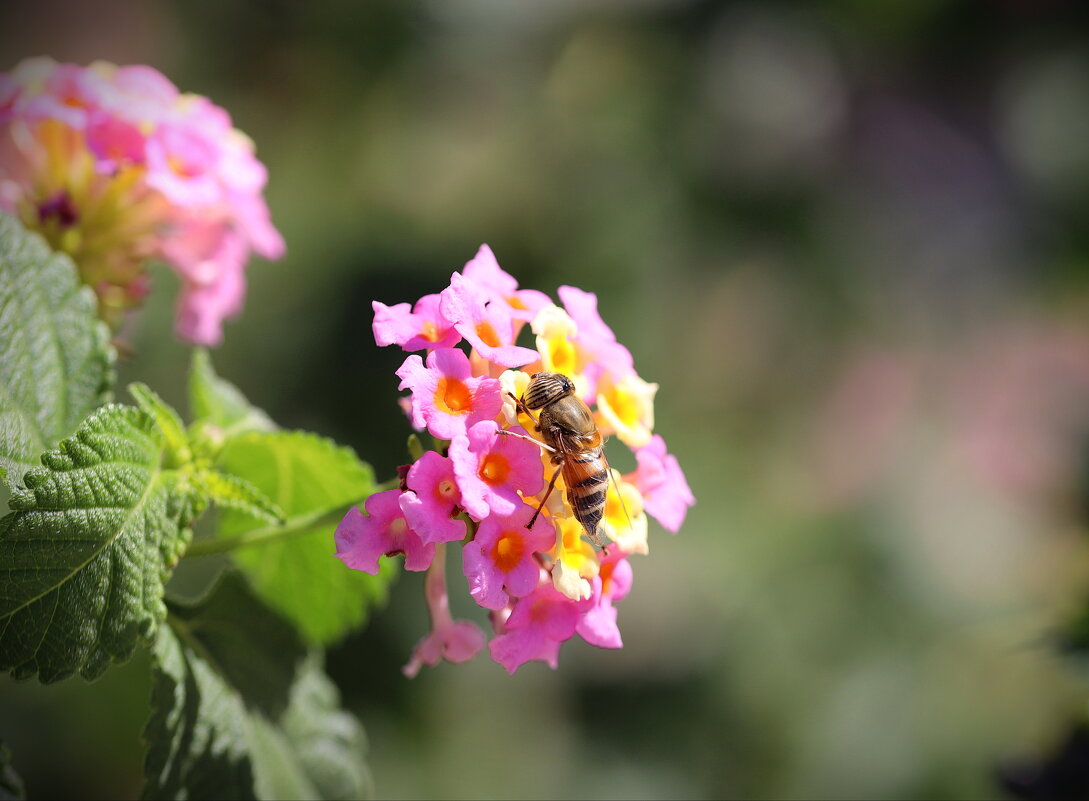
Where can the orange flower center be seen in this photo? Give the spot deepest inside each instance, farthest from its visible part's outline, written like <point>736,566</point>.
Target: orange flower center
<point>507,551</point>
<point>179,167</point>
<point>494,468</point>
<point>606,574</point>
<point>487,334</point>
<point>430,331</point>
<point>453,396</point>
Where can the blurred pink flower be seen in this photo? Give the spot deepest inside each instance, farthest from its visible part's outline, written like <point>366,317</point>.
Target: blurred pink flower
<point>114,166</point>
<point>454,641</point>
<point>658,476</point>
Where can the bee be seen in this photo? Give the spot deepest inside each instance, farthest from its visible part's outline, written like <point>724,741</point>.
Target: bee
<point>570,433</point>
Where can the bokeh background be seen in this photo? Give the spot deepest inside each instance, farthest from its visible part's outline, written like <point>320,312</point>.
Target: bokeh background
<point>848,239</point>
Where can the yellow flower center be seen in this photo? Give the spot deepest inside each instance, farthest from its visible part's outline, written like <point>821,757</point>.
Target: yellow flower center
<point>625,405</point>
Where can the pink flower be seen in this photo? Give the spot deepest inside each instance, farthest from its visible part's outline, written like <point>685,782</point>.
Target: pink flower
<point>210,258</point>
<point>484,271</point>
<point>181,161</point>
<point>486,324</point>
<point>116,168</point>
<point>455,641</point>
<point>114,141</point>
<point>613,582</point>
<point>421,327</point>
<point>500,559</point>
<point>251,216</point>
<point>658,476</point>
<point>64,95</point>
<point>384,531</point>
<point>538,624</point>
<point>446,398</point>
<point>433,499</point>
<point>492,469</point>
<point>594,336</point>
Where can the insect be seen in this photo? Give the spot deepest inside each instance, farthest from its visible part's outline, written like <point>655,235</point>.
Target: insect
<point>571,435</point>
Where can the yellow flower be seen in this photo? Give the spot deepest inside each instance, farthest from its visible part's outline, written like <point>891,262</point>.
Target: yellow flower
<point>626,407</point>
<point>624,522</point>
<point>574,561</point>
<point>556,331</point>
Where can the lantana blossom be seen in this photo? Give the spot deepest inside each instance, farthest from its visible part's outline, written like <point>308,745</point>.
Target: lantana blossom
<point>117,167</point>
<point>658,476</point>
<point>446,398</point>
<point>492,470</point>
<point>499,562</point>
<point>361,540</point>
<point>493,473</point>
<point>419,327</point>
<point>484,270</point>
<point>536,627</point>
<point>431,500</point>
<point>613,582</point>
<point>487,325</point>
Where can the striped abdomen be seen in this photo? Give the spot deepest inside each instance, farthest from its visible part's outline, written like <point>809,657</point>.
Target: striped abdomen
<point>586,474</point>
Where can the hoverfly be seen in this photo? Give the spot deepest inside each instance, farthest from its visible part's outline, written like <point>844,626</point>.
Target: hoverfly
<point>570,433</point>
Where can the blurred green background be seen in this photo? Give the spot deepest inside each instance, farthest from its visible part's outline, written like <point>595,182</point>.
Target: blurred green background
<point>848,239</point>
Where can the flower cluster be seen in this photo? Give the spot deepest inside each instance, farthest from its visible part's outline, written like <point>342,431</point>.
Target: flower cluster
<point>116,167</point>
<point>483,485</point>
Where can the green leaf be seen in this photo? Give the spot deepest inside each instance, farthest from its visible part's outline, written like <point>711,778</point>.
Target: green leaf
<point>240,709</point>
<point>232,492</point>
<point>216,403</point>
<point>170,424</point>
<point>87,548</point>
<point>56,363</point>
<point>299,576</point>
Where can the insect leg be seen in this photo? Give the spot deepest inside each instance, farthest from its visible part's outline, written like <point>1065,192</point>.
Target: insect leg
<point>507,433</point>
<point>523,409</point>
<point>551,486</point>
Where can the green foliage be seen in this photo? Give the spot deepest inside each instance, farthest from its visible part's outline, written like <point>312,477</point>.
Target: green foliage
<point>88,547</point>
<point>232,492</point>
<point>306,476</point>
<point>175,439</point>
<point>241,709</point>
<point>55,357</point>
<point>241,705</point>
